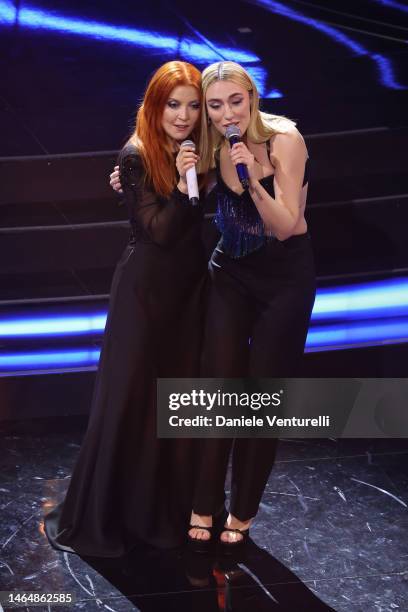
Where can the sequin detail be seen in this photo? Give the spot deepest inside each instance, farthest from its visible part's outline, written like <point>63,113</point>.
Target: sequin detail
<point>240,224</point>
<point>238,219</point>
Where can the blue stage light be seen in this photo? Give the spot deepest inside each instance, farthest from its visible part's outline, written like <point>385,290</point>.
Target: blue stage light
<point>41,360</point>
<point>285,11</point>
<point>7,13</point>
<point>260,77</point>
<point>362,310</point>
<point>43,20</point>
<point>392,4</point>
<point>382,299</point>
<point>273,93</point>
<point>187,48</point>
<point>92,323</point>
<point>384,65</point>
<point>387,298</point>
<point>326,338</point>
<point>386,71</point>
<point>357,334</point>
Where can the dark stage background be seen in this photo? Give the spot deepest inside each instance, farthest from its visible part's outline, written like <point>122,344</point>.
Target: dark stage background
<point>72,74</point>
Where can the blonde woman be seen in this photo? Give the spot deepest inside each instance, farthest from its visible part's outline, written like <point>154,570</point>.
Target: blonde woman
<point>262,285</point>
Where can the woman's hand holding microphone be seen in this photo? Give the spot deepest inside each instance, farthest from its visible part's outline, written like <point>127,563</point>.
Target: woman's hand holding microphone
<point>186,162</point>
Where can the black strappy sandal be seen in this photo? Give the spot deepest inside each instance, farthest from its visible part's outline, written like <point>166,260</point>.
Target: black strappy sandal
<point>199,545</point>
<point>230,548</point>
<point>204,546</point>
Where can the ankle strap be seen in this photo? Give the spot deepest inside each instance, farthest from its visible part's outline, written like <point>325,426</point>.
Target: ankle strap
<point>209,529</point>
<point>241,531</point>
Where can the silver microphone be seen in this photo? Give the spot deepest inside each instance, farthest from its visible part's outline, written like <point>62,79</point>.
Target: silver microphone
<point>191,177</point>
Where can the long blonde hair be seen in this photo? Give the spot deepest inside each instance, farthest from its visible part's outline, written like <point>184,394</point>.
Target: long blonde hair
<point>261,125</point>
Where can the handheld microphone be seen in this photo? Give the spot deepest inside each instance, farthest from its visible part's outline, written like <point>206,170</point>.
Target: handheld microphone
<point>191,177</point>
<point>233,135</point>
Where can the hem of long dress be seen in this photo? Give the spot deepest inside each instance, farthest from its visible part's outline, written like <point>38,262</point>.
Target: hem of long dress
<point>51,530</point>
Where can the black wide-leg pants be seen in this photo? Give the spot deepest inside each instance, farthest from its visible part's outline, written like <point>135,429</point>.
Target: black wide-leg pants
<point>258,316</point>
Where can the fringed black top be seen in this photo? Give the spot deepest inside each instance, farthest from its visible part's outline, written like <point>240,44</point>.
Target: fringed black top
<point>237,217</point>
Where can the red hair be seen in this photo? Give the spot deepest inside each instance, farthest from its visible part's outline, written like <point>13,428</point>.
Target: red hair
<point>149,135</point>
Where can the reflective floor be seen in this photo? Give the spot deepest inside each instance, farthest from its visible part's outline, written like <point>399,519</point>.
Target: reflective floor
<point>330,534</point>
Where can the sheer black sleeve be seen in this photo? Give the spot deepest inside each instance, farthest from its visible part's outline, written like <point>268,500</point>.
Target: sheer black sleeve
<point>161,220</point>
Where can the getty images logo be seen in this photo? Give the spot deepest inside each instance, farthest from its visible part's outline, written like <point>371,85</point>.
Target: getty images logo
<point>222,399</point>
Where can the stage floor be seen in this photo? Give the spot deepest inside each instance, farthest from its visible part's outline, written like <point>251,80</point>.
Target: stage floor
<point>330,534</point>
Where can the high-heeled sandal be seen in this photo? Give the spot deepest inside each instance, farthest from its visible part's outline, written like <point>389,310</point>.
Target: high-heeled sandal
<point>198,544</point>
<point>203,546</point>
<point>230,548</point>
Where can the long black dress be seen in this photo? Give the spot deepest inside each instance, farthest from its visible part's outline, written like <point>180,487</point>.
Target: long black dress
<point>127,484</point>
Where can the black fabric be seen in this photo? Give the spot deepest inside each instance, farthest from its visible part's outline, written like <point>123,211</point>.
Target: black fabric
<point>127,484</point>
<point>237,217</point>
<point>256,326</point>
<point>152,217</point>
<point>259,310</point>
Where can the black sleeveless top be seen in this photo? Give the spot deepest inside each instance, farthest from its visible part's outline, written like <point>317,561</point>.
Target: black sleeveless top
<point>237,218</point>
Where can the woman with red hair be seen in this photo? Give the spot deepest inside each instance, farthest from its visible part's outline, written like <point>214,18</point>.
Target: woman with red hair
<point>127,484</point>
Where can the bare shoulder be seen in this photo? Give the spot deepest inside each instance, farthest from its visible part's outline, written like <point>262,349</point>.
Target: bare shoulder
<point>289,142</point>
<point>290,137</point>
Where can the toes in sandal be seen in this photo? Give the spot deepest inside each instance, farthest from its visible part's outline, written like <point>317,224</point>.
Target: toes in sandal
<point>229,548</point>
<point>198,544</point>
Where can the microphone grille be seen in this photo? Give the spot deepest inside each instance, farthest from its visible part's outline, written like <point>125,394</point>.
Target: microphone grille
<point>232,130</point>
<point>188,143</point>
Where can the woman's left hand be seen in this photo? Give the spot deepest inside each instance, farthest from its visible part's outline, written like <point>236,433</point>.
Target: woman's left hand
<point>240,154</point>
<point>115,180</point>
